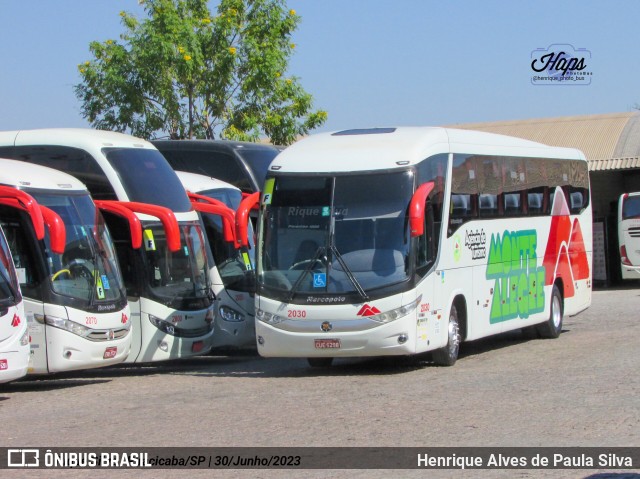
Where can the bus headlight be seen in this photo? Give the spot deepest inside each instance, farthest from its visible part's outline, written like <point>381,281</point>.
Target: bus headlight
<point>24,340</point>
<point>162,325</point>
<point>268,317</point>
<point>230,314</point>
<point>394,314</point>
<point>66,325</point>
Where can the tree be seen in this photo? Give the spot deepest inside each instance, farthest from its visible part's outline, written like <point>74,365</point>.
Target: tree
<point>186,73</point>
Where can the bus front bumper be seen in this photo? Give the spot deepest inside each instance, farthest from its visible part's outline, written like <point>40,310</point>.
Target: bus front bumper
<point>391,339</point>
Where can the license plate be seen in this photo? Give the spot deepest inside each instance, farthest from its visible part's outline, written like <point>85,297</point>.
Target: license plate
<point>327,343</point>
<point>4,364</point>
<point>110,352</point>
<point>197,346</point>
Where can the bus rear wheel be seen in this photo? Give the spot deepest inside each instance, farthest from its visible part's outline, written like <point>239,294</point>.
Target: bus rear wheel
<point>320,362</point>
<point>448,355</point>
<point>552,328</point>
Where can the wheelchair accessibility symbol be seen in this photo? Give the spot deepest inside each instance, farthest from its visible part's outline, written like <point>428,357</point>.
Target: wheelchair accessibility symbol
<point>319,280</point>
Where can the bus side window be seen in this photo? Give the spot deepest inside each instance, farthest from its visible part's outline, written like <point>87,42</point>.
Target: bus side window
<point>576,202</point>
<point>460,205</point>
<point>512,206</point>
<point>514,183</point>
<point>490,186</point>
<point>579,187</point>
<point>534,203</point>
<point>464,191</point>
<point>23,258</point>
<point>488,205</point>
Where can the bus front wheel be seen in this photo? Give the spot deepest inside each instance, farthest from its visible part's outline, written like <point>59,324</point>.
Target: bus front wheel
<point>448,355</point>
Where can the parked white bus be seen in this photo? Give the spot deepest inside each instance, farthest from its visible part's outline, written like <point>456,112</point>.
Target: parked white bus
<point>167,275</point>
<point>233,277</point>
<point>14,337</point>
<point>629,234</point>
<point>74,298</point>
<point>395,241</point>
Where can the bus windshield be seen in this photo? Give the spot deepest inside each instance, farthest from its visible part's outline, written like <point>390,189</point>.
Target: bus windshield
<point>9,287</point>
<point>181,276</point>
<point>336,234</point>
<point>147,177</point>
<point>631,207</point>
<point>230,261</point>
<point>88,269</point>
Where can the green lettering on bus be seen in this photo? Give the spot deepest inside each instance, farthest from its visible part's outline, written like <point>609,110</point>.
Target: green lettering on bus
<point>519,283</point>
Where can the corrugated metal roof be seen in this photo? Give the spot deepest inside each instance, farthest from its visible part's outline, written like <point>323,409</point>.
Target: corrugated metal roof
<point>596,135</point>
<point>614,164</point>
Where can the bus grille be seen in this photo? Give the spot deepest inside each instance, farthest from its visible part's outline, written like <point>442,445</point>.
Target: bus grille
<point>104,334</point>
<point>193,333</point>
<point>634,232</point>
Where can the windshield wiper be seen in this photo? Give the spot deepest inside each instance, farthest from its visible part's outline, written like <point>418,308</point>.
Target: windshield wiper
<point>349,273</point>
<point>95,273</point>
<point>312,263</point>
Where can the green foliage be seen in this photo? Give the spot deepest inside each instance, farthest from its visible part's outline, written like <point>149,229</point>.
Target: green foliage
<point>187,73</point>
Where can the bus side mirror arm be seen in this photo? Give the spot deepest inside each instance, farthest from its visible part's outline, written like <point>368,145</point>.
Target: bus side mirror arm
<point>57,233</point>
<point>135,227</point>
<point>19,199</point>
<point>242,217</point>
<point>227,215</point>
<point>417,208</point>
<point>166,217</point>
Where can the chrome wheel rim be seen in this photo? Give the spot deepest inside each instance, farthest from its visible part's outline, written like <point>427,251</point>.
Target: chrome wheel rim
<point>454,337</point>
<point>555,312</point>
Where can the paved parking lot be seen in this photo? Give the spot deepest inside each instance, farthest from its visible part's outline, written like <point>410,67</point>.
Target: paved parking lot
<point>582,389</point>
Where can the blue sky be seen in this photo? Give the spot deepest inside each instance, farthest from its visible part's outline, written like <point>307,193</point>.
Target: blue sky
<point>366,62</point>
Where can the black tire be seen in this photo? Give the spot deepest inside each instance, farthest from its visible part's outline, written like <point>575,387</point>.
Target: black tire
<point>448,355</point>
<point>552,328</point>
<point>320,362</point>
<point>530,332</point>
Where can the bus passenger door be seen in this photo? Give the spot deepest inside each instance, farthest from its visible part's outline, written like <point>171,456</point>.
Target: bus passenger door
<point>136,328</point>
<point>34,311</point>
<point>30,279</point>
<point>430,311</point>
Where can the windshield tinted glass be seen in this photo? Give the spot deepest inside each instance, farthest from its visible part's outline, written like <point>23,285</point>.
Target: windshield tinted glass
<point>147,177</point>
<point>182,275</point>
<point>9,288</point>
<point>88,269</point>
<point>631,207</point>
<point>258,159</point>
<point>229,196</point>
<point>336,234</point>
<point>234,265</point>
